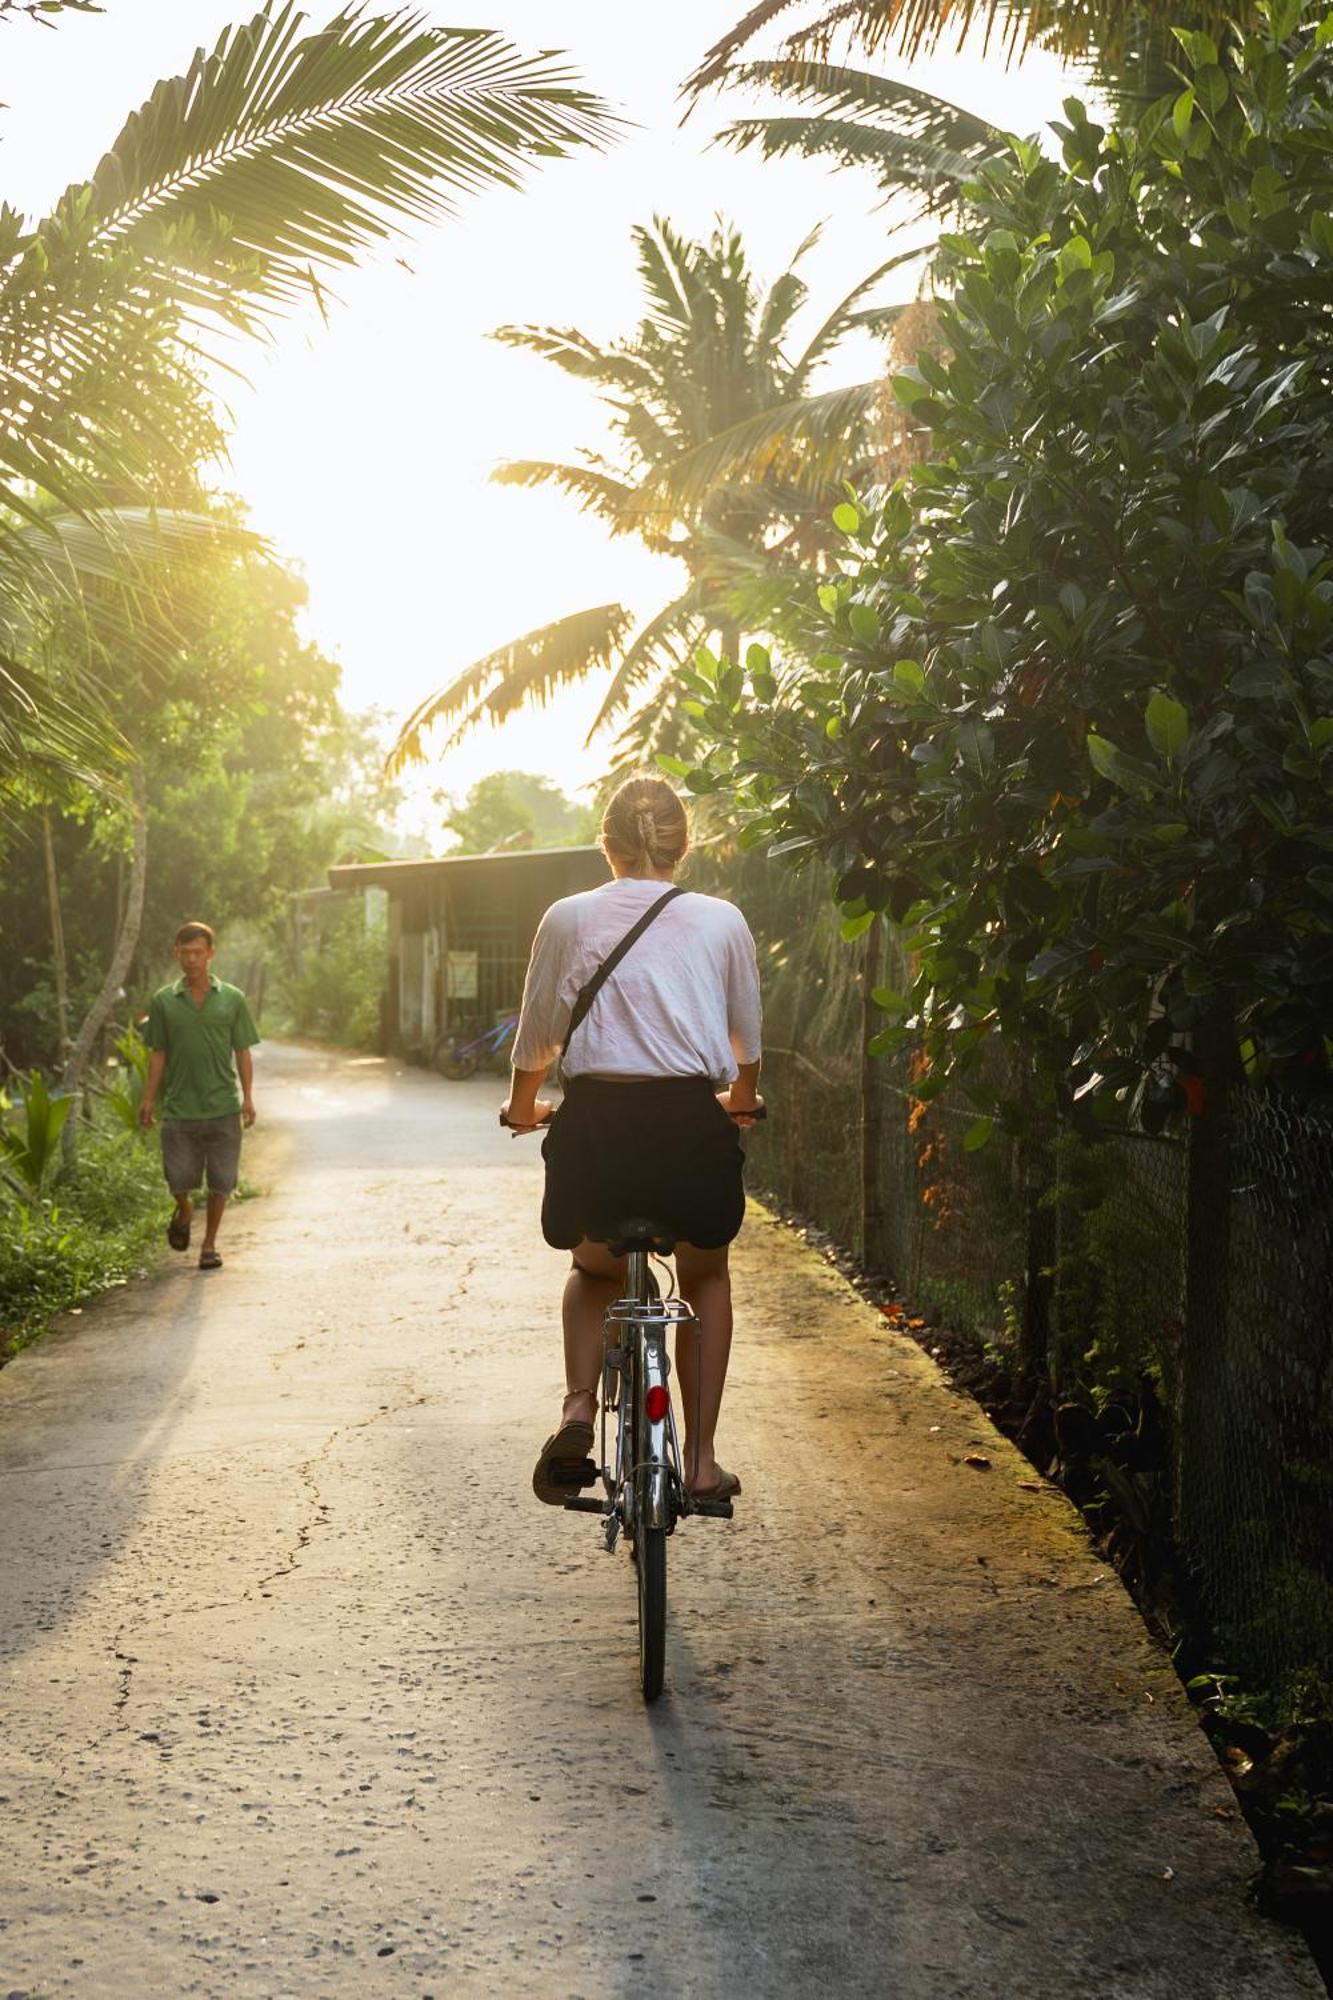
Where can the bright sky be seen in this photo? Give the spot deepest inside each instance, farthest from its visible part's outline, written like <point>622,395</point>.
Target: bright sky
<point>364,448</point>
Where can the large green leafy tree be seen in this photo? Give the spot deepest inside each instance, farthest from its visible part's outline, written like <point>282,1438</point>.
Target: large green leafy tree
<point>278,158</point>
<point>1070,712</point>
<point>710,360</point>
<point>518,809</point>
<point>252,782</point>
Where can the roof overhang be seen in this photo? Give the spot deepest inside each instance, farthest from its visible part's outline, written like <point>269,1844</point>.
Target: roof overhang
<point>401,875</point>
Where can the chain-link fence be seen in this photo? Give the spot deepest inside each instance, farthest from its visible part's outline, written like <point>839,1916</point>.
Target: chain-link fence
<point>1111,1269</point>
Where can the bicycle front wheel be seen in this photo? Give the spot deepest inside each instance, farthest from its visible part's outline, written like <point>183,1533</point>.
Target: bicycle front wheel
<point>650,1562</point>
<point>456,1065</point>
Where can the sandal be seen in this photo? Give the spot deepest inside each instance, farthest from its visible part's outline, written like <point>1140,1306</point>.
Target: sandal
<point>725,1487</point>
<point>564,1465</point>
<point>178,1233</point>
<point>209,1260</point>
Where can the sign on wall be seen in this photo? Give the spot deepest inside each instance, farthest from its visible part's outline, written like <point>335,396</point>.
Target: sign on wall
<point>461,975</point>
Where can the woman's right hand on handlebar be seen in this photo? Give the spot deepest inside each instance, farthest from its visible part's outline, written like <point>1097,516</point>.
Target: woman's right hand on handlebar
<point>523,1118</point>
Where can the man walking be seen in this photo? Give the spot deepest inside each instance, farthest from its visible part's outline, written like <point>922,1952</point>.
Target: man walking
<point>196,1026</point>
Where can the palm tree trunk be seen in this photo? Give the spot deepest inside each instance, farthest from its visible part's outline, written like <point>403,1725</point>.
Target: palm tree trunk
<point>128,936</point>
<point>58,961</point>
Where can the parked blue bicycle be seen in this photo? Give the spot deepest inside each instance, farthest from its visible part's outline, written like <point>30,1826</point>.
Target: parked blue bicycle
<point>458,1059</point>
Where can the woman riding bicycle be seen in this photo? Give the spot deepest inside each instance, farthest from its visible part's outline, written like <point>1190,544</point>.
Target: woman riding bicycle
<point>657,1076</point>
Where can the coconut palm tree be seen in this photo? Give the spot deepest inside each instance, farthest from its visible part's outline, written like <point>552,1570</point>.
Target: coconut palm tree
<point>711,353</point>
<point>240,188</point>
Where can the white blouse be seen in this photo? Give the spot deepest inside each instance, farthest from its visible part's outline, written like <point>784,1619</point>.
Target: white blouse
<point>684,1001</point>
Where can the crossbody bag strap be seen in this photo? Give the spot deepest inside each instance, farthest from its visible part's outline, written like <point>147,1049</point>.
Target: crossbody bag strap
<point>588,992</point>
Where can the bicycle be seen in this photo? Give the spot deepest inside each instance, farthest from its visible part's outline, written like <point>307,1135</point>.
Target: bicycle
<point>458,1060</point>
<point>646,1492</point>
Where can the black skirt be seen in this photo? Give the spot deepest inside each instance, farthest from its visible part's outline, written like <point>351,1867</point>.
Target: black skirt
<point>662,1149</point>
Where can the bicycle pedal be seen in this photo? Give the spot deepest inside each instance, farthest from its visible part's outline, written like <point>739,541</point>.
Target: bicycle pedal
<point>575,1504</point>
<point>716,1510</point>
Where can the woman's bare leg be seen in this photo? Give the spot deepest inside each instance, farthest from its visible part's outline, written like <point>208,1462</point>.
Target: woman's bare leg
<point>595,1282</point>
<point>706,1282</point>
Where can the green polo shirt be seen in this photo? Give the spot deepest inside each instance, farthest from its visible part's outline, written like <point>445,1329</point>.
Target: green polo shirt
<point>201,1079</point>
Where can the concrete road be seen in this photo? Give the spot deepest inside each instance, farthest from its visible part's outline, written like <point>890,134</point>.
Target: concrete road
<point>305,1693</point>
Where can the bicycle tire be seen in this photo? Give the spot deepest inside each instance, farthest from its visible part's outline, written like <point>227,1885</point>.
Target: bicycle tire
<point>649,1544</point>
<point>456,1068</point>
<point>650,1564</point>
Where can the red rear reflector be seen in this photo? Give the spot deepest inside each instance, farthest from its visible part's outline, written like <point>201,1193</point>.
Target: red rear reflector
<point>657,1403</point>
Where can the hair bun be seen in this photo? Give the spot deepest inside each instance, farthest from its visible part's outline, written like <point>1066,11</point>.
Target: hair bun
<point>645,824</point>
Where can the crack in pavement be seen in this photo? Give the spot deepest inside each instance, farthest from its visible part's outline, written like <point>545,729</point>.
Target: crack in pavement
<point>123,1678</point>
<point>322,1512</point>
<point>317,1519</point>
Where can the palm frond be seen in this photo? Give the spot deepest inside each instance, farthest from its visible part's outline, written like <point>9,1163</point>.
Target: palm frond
<point>571,350</point>
<point>657,649</point>
<point>783,300</point>
<point>723,52</point>
<point>42,10</point>
<point>280,152</point>
<point>808,438</point>
<point>597,492</point>
<point>656,728</point>
<point>528,669</point>
<point>839,91</point>
<point>899,162</point>
<point>666,273</point>
<point>52,737</point>
<point>122,574</point>
<point>844,317</point>
<point>119,587</point>
<point>912,141</point>
<point>1098,28</point>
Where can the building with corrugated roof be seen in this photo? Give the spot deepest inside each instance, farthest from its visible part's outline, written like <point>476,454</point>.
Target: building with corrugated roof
<point>459,933</point>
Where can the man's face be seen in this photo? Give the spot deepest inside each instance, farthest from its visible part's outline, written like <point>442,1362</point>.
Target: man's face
<point>194,957</point>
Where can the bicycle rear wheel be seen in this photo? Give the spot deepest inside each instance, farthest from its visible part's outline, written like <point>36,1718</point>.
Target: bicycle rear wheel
<point>649,1543</point>
<point>650,1563</point>
<point>455,1064</point>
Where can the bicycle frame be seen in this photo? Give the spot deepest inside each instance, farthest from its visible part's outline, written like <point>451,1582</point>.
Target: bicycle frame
<point>634,1347</point>
<point>490,1040</point>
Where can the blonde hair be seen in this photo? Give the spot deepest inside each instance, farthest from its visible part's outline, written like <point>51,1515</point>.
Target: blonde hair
<point>645,825</point>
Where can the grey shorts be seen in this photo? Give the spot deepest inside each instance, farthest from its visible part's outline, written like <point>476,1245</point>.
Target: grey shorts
<point>193,1146</point>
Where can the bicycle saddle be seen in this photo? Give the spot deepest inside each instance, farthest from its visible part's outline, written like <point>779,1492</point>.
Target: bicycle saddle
<point>639,1232</point>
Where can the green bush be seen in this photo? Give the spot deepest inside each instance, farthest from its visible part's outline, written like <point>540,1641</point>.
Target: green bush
<point>335,996</point>
<point>30,1146</point>
<point>98,1228</point>
<point>126,1093</point>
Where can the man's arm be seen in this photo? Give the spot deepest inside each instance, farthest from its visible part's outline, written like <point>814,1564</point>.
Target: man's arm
<point>157,1064</point>
<point>245,1069</point>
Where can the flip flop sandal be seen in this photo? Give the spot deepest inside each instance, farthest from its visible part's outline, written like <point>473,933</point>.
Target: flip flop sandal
<point>209,1260</point>
<point>564,1466</point>
<point>727,1486</point>
<point>178,1233</point>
